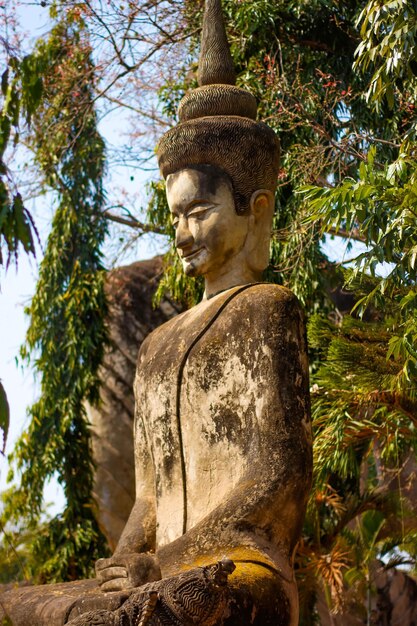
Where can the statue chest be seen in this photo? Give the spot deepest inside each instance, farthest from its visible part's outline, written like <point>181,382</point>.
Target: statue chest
<point>200,397</point>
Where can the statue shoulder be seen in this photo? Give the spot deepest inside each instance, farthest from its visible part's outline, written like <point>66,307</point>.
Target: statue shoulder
<point>268,297</point>
<point>167,336</point>
<point>259,303</point>
<point>271,291</point>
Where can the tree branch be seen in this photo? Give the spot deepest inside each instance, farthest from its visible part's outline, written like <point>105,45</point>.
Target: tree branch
<point>346,234</point>
<point>134,223</point>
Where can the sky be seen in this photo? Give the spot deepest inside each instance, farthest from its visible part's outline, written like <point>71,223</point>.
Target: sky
<point>17,285</point>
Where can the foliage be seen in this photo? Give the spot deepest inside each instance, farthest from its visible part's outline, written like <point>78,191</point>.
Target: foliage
<point>367,404</point>
<point>4,415</point>
<point>381,206</point>
<point>21,88</point>
<point>55,88</point>
<point>16,555</point>
<point>365,385</point>
<point>389,47</point>
<point>21,92</point>
<point>337,82</point>
<point>67,334</point>
<point>278,51</point>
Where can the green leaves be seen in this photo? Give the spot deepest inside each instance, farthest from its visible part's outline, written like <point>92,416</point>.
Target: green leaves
<point>32,68</point>
<point>376,381</point>
<point>380,209</point>
<point>16,224</point>
<point>67,333</point>
<point>363,394</point>
<point>4,417</point>
<point>21,87</point>
<point>389,49</point>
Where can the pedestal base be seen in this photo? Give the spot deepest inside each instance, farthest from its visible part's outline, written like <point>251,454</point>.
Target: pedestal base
<point>258,596</point>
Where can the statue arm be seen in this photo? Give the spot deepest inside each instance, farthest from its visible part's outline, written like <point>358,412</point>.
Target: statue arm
<point>140,531</point>
<point>263,514</point>
<point>133,563</point>
<point>260,521</point>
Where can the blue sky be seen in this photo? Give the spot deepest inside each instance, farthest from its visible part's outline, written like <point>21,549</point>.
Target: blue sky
<point>18,284</point>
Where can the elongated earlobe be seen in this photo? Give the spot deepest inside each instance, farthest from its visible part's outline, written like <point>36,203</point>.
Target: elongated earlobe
<point>260,225</point>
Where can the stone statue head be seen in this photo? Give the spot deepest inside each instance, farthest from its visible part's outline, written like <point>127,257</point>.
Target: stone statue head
<point>221,167</point>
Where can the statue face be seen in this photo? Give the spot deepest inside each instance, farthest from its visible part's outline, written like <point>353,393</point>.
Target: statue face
<point>209,235</point>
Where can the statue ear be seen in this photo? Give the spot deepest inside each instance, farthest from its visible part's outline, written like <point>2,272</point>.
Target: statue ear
<point>261,203</point>
<point>260,224</point>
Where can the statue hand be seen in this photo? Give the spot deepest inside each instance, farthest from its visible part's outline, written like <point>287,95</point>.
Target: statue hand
<point>127,571</point>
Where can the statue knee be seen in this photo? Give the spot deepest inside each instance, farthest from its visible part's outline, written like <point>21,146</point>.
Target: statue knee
<point>259,596</point>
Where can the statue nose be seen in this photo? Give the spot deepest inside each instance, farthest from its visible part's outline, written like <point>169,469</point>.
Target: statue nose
<point>183,235</point>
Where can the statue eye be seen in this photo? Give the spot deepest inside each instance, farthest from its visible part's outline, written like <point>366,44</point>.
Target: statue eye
<point>200,211</point>
<point>175,223</point>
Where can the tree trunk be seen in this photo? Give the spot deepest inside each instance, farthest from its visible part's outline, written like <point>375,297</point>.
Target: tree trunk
<point>131,318</point>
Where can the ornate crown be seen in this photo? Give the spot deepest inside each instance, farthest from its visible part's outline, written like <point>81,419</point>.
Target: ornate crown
<point>218,122</point>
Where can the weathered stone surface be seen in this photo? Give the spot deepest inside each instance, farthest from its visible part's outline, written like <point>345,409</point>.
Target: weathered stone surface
<point>131,318</point>
<point>222,435</point>
<point>223,446</point>
<point>243,383</point>
<point>45,604</point>
<point>396,602</point>
<point>198,596</point>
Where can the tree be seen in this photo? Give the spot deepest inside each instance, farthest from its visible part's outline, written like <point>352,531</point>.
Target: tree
<point>337,80</point>
<point>70,157</point>
<point>366,394</point>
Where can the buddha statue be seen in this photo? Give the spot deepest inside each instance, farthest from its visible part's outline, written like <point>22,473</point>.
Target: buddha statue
<point>222,431</point>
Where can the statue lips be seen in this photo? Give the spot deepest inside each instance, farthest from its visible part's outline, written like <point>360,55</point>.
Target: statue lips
<point>191,254</point>
<point>193,259</point>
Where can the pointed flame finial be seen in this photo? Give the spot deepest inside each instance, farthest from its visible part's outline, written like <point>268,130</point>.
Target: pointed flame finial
<point>217,122</point>
<point>215,63</point>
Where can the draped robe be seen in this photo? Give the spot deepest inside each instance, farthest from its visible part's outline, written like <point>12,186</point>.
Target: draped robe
<point>222,433</point>
<point>222,457</point>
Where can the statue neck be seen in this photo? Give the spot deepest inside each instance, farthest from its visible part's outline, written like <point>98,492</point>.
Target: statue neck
<point>219,282</point>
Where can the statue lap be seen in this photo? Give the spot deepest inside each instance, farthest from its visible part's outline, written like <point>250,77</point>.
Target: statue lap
<point>256,596</point>
<point>258,519</point>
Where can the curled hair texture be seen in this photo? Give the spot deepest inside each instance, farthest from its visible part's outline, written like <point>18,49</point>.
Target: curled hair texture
<point>217,100</point>
<point>246,150</point>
